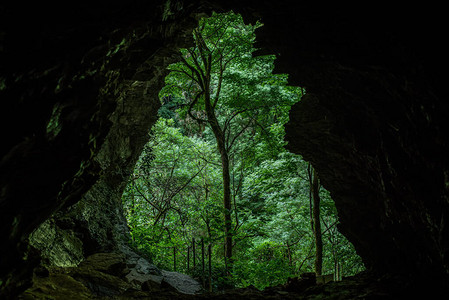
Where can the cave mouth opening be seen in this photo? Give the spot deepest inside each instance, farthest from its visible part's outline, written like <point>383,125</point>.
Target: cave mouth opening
<point>386,173</point>
<point>214,193</point>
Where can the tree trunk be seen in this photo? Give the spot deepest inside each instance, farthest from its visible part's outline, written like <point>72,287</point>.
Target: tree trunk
<point>227,208</point>
<point>317,224</point>
<point>174,259</point>
<point>289,254</point>
<point>188,258</point>
<point>193,253</point>
<point>209,250</point>
<point>221,145</point>
<point>202,263</point>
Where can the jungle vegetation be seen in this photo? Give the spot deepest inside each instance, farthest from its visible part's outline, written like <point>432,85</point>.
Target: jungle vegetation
<point>215,194</point>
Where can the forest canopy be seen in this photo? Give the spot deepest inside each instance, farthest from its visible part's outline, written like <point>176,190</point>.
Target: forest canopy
<point>214,193</point>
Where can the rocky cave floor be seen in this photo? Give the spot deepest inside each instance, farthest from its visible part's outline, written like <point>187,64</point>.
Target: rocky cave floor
<point>111,276</point>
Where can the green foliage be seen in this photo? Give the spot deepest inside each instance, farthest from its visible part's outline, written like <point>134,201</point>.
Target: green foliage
<point>264,264</point>
<point>176,192</point>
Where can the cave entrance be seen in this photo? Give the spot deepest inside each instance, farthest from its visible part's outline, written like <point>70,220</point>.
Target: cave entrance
<point>214,193</point>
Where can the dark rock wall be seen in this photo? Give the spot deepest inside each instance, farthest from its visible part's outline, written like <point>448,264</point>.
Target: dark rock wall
<point>78,87</point>
<point>374,123</point>
<point>97,219</point>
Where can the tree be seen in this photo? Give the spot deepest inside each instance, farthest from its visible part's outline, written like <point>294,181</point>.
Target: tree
<point>227,89</point>
<point>316,223</point>
<point>166,185</point>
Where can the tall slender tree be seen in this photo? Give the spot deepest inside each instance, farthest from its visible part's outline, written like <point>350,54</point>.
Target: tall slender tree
<point>315,202</point>
<point>227,89</point>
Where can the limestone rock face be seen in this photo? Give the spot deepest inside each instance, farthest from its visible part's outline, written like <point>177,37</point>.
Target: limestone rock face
<point>79,94</point>
<point>58,247</point>
<point>97,219</point>
<point>110,275</point>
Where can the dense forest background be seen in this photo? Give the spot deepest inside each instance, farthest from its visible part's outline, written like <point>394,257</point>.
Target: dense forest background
<point>214,193</point>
